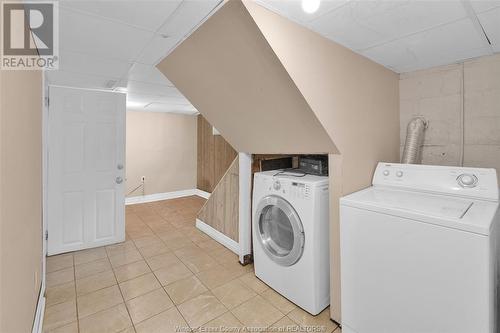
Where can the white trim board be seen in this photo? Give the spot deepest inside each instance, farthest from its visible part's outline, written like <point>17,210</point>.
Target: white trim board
<point>218,236</point>
<point>165,196</point>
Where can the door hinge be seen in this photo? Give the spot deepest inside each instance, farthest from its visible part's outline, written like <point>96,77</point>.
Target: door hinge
<point>47,101</point>
<point>46,234</point>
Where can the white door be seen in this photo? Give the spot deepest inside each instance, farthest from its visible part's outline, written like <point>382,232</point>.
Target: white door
<point>86,171</point>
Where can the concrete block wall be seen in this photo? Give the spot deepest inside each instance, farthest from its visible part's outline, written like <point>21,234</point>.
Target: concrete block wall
<point>440,94</point>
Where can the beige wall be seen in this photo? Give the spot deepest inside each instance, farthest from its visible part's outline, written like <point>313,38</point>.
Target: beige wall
<point>161,147</point>
<point>355,100</point>
<point>20,198</point>
<point>440,94</point>
<point>258,63</point>
<point>239,85</point>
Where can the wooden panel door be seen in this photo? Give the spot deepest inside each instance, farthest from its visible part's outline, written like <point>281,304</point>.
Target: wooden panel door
<point>86,138</point>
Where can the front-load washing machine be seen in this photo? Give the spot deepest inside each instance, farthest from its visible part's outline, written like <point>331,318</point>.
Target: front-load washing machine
<point>291,236</point>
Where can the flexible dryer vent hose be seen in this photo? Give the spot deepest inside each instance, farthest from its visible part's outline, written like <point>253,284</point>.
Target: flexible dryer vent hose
<point>414,141</point>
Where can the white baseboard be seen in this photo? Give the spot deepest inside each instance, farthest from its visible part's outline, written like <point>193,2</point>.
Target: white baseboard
<point>218,236</point>
<point>165,196</point>
<point>202,194</point>
<point>40,311</point>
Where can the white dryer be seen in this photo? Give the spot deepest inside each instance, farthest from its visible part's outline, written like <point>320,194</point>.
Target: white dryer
<point>419,251</point>
<point>291,236</point>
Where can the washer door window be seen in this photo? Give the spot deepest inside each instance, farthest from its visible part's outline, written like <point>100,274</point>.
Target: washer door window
<point>279,230</point>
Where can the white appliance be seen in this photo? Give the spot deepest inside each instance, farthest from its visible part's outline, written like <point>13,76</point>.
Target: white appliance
<point>291,238</point>
<point>419,251</point>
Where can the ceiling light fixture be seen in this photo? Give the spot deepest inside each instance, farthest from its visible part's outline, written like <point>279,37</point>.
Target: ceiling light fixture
<point>310,6</point>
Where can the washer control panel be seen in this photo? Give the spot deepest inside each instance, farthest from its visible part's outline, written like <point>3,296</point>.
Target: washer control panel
<point>479,183</point>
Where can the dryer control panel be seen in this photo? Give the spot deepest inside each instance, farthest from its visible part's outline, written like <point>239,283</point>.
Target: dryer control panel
<point>477,183</point>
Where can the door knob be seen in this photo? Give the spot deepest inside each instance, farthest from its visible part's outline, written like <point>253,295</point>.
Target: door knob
<point>119,180</point>
<point>119,166</point>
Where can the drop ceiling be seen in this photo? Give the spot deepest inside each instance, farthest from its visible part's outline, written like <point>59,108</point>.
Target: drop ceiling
<point>115,45</point>
<point>404,35</point>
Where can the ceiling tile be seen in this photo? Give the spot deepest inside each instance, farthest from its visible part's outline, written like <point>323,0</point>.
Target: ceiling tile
<point>82,63</point>
<point>157,49</point>
<point>484,5</point>
<point>78,80</point>
<point>148,73</point>
<point>342,27</point>
<point>162,107</point>
<point>187,16</point>
<point>293,8</point>
<point>414,16</point>
<point>90,35</point>
<point>490,21</point>
<point>431,48</point>
<point>152,89</point>
<point>145,14</point>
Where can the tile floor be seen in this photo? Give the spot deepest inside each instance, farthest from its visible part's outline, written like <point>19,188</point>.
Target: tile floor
<point>166,277</point>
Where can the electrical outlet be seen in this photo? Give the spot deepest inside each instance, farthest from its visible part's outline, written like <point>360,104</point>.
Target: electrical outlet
<point>143,178</point>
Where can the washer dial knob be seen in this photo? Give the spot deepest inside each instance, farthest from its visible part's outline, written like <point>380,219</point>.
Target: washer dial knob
<point>386,173</point>
<point>277,185</point>
<point>467,180</point>
<point>399,174</point>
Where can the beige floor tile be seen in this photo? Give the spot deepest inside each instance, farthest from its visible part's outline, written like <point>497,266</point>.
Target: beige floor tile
<point>170,234</point>
<point>227,320</point>
<point>85,256</point>
<point>200,263</point>
<point>189,252</point>
<point>130,329</point>
<point>172,273</point>
<point>178,243</point>
<point>185,289</point>
<point>216,277</point>
<point>69,328</point>
<point>148,305</point>
<point>238,268</point>
<point>285,324</point>
<point>115,319</point>
<point>140,232</point>
<point>233,293</point>
<point>120,248</point>
<point>280,302</point>
<point>59,315</point>
<point>95,282</point>
<point>130,271</point>
<point>55,263</point>
<point>124,258</point>
<point>98,300</point>
<point>166,322</point>
<point>147,241</point>
<point>139,286</point>
<point>209,245</point>
<point>91,268</point>
<point>60,293</point>
<point>253,282</point>
<point>223,256</point>
<point>201,309</point>
<point>60,277</point>
<point>303,318</point>
<point>162,260</point>
<point>262,313</point>
<point>154,250</point>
